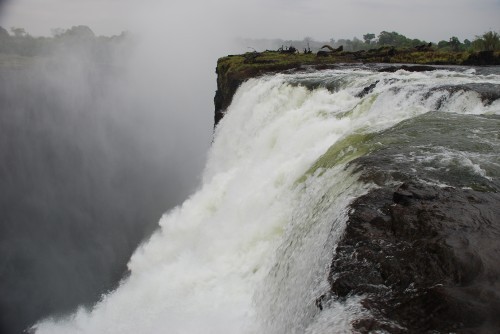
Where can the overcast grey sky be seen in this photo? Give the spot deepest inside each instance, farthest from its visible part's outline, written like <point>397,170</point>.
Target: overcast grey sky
<point>431,20</point>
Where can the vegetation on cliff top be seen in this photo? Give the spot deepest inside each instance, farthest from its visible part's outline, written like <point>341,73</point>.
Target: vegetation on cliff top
<point>387,47</point>
<point>255,62</point>
<point>488,41</point>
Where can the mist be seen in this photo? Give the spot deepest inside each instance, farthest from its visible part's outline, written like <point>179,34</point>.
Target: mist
<point>95,145</point>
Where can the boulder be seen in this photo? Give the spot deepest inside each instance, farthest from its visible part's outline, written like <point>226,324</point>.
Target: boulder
<point>424,258</point>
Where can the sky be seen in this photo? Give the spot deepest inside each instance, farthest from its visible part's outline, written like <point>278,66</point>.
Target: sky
<point>431,20</point>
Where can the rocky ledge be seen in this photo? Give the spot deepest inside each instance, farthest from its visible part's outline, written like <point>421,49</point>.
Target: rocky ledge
<point>424,259</point>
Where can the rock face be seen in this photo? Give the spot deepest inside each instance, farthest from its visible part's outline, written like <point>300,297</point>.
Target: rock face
<point>226,87</point>
<point>230,75</point>
<point>416,68</point>
<point>425,259</point>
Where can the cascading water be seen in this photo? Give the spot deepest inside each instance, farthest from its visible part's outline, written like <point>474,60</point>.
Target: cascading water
<point>250,251</point>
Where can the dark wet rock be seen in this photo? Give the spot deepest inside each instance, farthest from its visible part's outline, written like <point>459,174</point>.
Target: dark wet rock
<point>487,92</point>
<point>416,68</point>
<point>367,90</point>
<point>424,258</point>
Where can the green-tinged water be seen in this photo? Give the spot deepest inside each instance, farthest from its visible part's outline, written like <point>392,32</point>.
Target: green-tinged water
<point>442,148</point>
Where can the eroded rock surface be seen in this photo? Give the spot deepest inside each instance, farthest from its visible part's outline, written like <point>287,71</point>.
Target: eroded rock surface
<point>425,259</point>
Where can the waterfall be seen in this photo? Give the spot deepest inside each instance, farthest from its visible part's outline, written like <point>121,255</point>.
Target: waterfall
<point>250,250</point>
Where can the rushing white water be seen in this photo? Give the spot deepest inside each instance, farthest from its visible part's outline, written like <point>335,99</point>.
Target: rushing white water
<point>249,252</point>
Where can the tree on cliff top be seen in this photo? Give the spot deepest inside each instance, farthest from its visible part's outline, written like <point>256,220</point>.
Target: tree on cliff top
<point>397,40</point>
<point>489,41</point>
<point>18,32</point>
<point>79,32</point>
<point>455,43</point>
<point>368,38</point>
